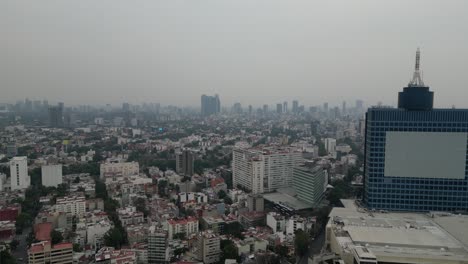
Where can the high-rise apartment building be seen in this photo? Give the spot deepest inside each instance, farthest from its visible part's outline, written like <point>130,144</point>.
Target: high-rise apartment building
<point>310,183</point>
<point>19,173</point>
<point>237,108</point>
<point>126,107</point>
<point>184,163</point>
<point>51,175</point>
<point>279,108</point>
<point>264,169</point>
<point>415,155</point>
<point>210,105</point>
<point>56,115</point>
<point>44,252</point>
<point>157,246</point>
<point>325,108</point>
<point>359,105</point>
<point>295,106</point>
<point>208,247</point>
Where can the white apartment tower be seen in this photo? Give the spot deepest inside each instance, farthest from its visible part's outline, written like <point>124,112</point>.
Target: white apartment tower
<point>330,146</point>
<point>264,170</point>
<point>19,173</point>
<point>51,175</point>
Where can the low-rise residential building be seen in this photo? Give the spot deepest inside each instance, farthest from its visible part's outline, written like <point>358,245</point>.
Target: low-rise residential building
<point>186,226</point>
<point>114,170</point>
<point>208,247</point>
<point>192,197</point>
<point>10,212</point>
<point>42,231</point>
<point>114,256</point>
<point>95,233</point>
<point>95,204</point>
<point>130,216</point>
<point>252,219</point>
<point>250,245</point>
<point>141,251</point>
<point>74,205</point>
<point>44,252</point>
<point>276,222</point>
<point>7,231</point>
<point>295,223</point>
<point>59,220</point>
<point>137,233</point>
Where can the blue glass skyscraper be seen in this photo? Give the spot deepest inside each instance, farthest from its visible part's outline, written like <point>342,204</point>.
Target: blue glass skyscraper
<point>415,155</point>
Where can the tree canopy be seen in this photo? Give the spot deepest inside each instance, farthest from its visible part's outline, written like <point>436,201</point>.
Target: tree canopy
<point>301,242</point>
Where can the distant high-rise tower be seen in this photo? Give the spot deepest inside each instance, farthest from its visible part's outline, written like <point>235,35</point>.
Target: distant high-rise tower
<point>279,108</point>
<point>237,108</point>
<point>359,105</point>
<point>56,115</point>
<point>416,156</point>
<point>295,106</point>
<point>184,163</point>
<point>343,108</point>
<point>325,108</point>
<point>285,107</point>
<point>265,109</point>
<point>125,107</point>
<point>210,105</point>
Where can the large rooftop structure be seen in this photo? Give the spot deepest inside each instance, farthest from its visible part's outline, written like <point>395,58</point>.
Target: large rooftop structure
<point>416,156</point>
<point>358,235</point>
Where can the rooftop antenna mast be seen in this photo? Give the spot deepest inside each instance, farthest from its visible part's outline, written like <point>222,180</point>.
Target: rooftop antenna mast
<point>417,78</point>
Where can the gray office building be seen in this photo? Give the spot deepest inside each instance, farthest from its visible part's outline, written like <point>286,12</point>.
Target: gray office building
<point>310,183</point>
<point>415,155</point>
<point>210,105</point>
<point>184,163</point>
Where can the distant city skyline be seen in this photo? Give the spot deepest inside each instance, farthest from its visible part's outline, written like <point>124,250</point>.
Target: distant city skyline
<point>256,53</point>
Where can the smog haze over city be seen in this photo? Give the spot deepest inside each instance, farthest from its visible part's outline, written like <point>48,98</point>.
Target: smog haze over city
<point>252,52</point>
<point>233,132</point>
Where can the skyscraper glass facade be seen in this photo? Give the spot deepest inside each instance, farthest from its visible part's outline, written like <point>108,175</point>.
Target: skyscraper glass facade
<point>404,192</point>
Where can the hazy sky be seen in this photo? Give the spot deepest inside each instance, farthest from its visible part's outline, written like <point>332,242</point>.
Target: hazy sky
<point>254,52</point>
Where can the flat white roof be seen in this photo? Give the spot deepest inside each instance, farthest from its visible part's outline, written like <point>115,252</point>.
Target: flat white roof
<point>395,235</point>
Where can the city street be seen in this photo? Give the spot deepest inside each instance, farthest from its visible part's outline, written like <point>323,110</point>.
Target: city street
<point>21,252</point>
<point>314,248</point>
